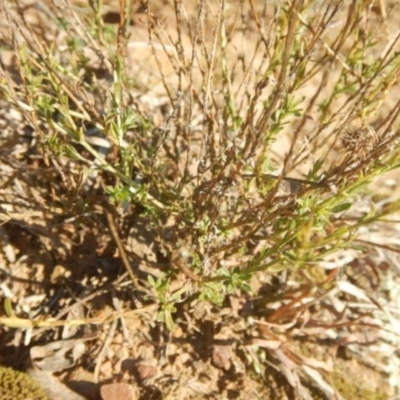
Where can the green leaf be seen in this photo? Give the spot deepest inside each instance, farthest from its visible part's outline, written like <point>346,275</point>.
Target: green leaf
<point>341,207</point>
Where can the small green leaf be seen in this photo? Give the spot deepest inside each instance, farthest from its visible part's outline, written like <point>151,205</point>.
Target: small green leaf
<point>341,207</point>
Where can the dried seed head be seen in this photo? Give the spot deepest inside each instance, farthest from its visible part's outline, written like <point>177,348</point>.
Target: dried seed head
<point>359,141</point>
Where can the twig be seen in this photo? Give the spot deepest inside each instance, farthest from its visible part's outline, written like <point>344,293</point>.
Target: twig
<point>124,256</point>
<point>106,344</point>
<point>287,179</point>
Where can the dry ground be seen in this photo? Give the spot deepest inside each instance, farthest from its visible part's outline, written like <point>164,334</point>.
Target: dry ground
<point>59,258</point>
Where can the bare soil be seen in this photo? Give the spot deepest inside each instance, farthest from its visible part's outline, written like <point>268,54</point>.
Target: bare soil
<point>58,259</point>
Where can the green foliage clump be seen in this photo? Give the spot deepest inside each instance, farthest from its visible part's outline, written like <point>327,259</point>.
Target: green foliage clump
<point>15,385</point>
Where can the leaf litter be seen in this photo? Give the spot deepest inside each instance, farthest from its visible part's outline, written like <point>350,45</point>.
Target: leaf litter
<point>299,334</point>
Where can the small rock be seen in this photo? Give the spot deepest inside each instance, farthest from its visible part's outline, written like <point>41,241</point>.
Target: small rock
<point>117,391</point>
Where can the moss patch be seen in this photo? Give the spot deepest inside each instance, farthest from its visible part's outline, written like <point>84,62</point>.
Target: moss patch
<point>15,385</point>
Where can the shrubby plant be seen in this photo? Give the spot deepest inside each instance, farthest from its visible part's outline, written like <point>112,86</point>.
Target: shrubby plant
<point>240,163</point>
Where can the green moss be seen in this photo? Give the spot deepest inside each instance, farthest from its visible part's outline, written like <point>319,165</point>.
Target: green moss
<point>15,385</point>
<point>353,391</point>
